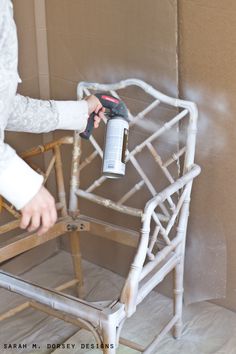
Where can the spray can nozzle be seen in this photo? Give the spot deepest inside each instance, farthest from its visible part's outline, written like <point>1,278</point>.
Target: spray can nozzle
<point>114,107</point>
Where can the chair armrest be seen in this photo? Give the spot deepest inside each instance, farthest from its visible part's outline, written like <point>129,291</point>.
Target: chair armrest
<point>173,188</point>
<point>130,290</point>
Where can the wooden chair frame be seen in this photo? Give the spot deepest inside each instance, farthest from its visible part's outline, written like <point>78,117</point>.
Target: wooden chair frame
<point>150,265</point>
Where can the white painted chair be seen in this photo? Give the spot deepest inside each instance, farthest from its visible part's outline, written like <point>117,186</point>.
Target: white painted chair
<point>160,244</point>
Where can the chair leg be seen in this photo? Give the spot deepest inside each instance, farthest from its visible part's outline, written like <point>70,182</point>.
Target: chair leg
<point>179,269</point>
<point>109,338</point>
<point>178,297</point>
<point>77,261</point>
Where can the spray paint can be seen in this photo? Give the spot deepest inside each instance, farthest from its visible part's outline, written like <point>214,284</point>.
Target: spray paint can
<point>116,137</point>
<point>115,148</point>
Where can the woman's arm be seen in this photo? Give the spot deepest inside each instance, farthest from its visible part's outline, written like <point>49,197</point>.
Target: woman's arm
<point>19,184</point>
<point>41,116</point>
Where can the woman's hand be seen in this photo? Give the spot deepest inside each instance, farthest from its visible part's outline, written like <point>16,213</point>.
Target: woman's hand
<point>94,105</point>
<point>39,213</point>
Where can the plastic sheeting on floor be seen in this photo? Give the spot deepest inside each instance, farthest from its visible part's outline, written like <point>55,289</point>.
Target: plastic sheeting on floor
<point>208,329</point>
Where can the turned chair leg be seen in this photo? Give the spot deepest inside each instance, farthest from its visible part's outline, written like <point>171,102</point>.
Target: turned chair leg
<point>109,338</point>
<point>178,297</point>
<point>77,261</point>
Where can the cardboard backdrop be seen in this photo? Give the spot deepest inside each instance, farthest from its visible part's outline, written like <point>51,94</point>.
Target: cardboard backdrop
<point>207,57</point>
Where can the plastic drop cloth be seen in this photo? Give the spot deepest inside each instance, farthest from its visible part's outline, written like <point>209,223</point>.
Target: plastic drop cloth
<point>207,328</point>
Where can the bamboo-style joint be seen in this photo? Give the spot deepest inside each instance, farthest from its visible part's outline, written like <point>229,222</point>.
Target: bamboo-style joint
<point>78,225</point>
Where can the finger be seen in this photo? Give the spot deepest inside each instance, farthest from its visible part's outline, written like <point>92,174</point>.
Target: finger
<point>98,108</point>
<point>46,223</point>
<point>35,222</point>
<point>102,115</point>
<point>53,213</point>
<point>25,220</point>
<point>96,121</point>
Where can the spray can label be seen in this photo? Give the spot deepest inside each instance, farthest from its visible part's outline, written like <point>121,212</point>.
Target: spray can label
<point>125,145</point>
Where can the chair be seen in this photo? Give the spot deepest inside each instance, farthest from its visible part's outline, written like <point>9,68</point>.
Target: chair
<point>161,165</point>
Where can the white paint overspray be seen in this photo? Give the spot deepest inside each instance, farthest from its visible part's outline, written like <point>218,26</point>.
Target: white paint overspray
<point>210,125</point>
<point>114,73</point>
<point>206,246</point>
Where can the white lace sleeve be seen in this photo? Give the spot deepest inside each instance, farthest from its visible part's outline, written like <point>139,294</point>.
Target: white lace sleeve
<point>41,116</point>
<point>31,115</point>
<point>18,182</point>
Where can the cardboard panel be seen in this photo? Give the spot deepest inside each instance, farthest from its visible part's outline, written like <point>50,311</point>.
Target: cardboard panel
<point>106,41</point>
<point>111,40</point>
<point>207,70</point>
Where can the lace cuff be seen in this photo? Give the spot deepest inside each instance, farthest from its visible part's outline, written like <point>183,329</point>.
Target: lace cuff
<point>73,115</point>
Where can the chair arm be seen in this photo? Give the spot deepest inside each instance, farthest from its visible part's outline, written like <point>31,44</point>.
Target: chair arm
<point>173,188</point>
<point>130,290</point>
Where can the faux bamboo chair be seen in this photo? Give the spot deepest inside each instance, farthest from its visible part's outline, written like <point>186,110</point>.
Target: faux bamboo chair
<point>160,244</point>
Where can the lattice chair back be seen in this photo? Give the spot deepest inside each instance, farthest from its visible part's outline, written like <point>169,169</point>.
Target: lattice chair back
<point>157,147</point>
<point>161,154</point>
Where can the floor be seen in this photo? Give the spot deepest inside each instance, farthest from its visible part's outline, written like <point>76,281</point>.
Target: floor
<point>208,329</point>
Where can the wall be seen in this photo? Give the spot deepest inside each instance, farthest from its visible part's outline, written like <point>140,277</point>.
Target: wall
<point>207,57</point>
<point>110,40</point>
<point>106,41</point>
